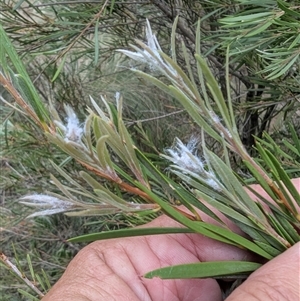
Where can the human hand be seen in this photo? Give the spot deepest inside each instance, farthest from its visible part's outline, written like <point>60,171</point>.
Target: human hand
<point>113,270</point>
<point>277,280</point>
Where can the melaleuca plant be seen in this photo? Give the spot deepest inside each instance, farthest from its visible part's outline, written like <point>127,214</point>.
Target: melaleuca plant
<point>196,180</point>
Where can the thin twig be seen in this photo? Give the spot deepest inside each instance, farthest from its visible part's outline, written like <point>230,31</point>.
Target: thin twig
<point>62,53</point>
<point>123,185</point>
<point>8,86</point>
<point>81,2</point>
<point>154,118</point>
<point>16,271</point>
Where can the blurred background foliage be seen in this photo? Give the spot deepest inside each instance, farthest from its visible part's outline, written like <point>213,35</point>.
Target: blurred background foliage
<point>68,48</point>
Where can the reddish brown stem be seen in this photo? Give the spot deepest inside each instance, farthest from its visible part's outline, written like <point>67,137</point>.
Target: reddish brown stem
<point>125,186</point>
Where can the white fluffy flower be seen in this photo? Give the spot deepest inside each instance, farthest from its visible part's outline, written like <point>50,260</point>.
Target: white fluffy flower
<point>183,156</point>
<point>72,130</point>
<point>51,204</point>
<point>154,60</point>
<point>188,163</point>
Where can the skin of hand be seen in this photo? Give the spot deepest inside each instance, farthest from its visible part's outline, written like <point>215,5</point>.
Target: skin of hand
<point>113,269</point>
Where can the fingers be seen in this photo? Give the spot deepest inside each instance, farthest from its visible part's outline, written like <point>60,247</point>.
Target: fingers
<point>279,279</point>
<point>203,248</point>
<point>113,270</point>
<point>131,258</point>
<point>89,277</point>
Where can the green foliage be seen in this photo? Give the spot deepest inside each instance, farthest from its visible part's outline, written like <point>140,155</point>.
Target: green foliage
<point>270,29</point>
<point>225,82</point>
<point>215,269</point>
<point>77,42</point>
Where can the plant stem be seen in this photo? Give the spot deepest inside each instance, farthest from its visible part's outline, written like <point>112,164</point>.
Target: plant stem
<point>16,271</point>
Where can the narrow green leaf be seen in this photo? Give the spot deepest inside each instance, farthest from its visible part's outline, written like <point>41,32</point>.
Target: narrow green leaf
<point>154,81</point>
<point>103,154</point>
<point>242,19</point>
<point>97,128</point>
<point>46,280</point>
<point>128,233</point>
<point>107,195</point>
<point>281,230</point>
<point>131,159</point>
<point>269,143</point>
<point>62,187</point>
<point>114,140</point>
<point>22,86</point>
<point>87,132</point>
<point>18,4</point>
<point>194,112</point>
<point>268,248</point>
<point>283,68</point>
<point>28,295</point>
<point>208,230</point>
<point>69,148</point>
<point>96,41</point>
<point>229,100</point>
<point>95,211</point>
<point>189,68</point>
<point>226,210</point>
<point>41,282</point>
<point>291,148</point>
<point>285,179</point>
<point>110,198</point>
<point>258,29</point>
<point>69,179</point>
<point>288,227</point>
<point>255,233</point>
<point>260,180</point>
<point>188,83</point>
<point>239,240</point>
<point>295,137</point>
<point>199,70</point>
<point>173,40</point>
<point>112,6</point>
<point>284,6</point>
<point>295,42</point>
<point>10,51</point>
<point>61,65</point>
<point>234,186</point>
<point>30,268</point>
<point>19,266</point>
<point>215,90</point>
<point>214,269</point>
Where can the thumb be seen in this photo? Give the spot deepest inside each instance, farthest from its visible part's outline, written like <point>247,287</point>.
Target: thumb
<point>278,279</point>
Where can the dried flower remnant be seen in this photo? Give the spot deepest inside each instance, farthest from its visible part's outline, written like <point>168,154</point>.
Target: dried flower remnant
<point>52,204</point>
<point>183,156</point>
<point>187,162</point>
<point>212,182</point>
<point>72,130</point>
<point>154,59</point>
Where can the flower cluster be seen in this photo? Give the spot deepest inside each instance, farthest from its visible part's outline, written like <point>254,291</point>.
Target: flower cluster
<point>185,159</point>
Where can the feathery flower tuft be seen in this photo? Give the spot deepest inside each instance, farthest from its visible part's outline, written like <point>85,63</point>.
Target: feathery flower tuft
<point>154,60</point>
<point>53,204</point>
<point>182,156</point>
<point>72,130</point>
<point>188,163</point>
<point>212,182</point>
